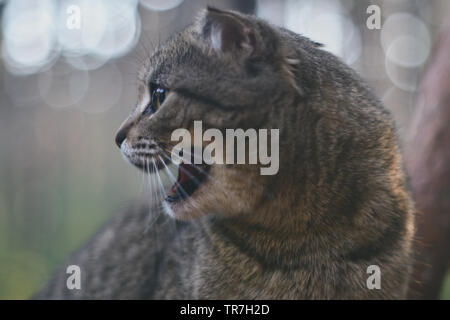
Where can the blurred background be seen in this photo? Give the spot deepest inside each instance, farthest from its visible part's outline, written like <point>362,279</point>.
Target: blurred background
<point>66,85</point>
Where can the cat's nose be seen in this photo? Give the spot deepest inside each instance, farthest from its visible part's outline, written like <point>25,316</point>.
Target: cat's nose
<point>121,135</point>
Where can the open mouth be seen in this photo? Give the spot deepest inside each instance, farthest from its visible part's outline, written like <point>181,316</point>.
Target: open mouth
<point>190,177</point>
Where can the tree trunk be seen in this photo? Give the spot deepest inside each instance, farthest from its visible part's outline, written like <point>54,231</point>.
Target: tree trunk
<point>428,165</point>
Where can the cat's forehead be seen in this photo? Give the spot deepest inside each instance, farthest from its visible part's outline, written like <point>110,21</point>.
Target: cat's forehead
<point>170,56</point>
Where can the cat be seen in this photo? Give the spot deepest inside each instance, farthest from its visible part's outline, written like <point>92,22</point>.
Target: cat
<point>337,205</point>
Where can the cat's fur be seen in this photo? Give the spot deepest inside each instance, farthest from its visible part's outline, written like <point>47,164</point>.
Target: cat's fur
<point>337,205</point>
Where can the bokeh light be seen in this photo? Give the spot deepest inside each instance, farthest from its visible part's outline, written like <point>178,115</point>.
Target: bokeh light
<point>122,29</point>
<point>105,89</point>
<point>403,78</point>
<point>63,86</point>
<point>326,22</point>
<point>23,91</point>
<point>28,32</point>
<point>36,32</point>
<point>408,51</point>
<point>159,5</point>
<point>405,40</point>
<point>406,43</point>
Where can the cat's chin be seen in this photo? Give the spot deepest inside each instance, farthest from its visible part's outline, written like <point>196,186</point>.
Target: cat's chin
<point>184,209</point>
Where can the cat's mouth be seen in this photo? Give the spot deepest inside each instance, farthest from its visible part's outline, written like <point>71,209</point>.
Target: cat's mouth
<point>190,178</point>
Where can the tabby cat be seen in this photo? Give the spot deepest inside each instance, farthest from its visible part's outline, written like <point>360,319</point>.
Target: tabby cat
<point>337,205</point>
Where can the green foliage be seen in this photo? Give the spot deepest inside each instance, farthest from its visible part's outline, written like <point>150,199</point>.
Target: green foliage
<point>445,293</point>
<point>40,227</point>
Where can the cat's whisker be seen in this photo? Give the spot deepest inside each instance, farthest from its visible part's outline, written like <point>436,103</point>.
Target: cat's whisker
<point>154,218</point>
<point>142,186</point>
<point>160,189</point>
<point>161,186</point>
<point>151,218</point>
<point>149,182</point>
<point>147,173</point>
<point>155,167</point>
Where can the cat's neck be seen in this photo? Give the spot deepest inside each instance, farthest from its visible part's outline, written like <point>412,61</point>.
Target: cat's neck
<point>277,237</point>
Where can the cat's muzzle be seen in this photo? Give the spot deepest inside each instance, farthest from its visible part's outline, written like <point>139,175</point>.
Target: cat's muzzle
<point>149,157</point>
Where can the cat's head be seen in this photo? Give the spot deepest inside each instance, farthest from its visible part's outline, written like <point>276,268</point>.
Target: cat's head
<point>228,71</point>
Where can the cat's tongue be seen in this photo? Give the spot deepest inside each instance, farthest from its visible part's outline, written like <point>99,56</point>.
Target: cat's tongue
<point>185,172</point>
<point>186,183</point>
<point>189,179</point>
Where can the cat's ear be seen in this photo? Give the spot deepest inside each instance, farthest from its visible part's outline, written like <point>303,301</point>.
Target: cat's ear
<point>225,32</point>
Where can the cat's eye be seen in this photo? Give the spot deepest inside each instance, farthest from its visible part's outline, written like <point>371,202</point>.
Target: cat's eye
<point>157,97</point>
